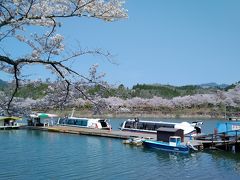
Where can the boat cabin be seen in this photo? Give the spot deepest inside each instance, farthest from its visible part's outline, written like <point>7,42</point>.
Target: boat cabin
<point>42,119</point>
<point>163,134</point>
<point>8,122</point>
<point>174,141</point>
<point>137,125</point>
<point>145,125</point>
<point>85,122</point>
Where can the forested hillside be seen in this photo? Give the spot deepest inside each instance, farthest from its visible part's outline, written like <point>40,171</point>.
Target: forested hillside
<point>39,89</point>
<point>154,99</point>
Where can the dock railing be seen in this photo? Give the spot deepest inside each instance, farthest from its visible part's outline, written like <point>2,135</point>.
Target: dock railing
<point>223,139</point>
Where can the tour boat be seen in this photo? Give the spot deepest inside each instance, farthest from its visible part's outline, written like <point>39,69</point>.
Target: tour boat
<point>42,119</point>
<point>9,122</point>
<point>174,145</point>
<point>142,126</point>
<point>94,123</point>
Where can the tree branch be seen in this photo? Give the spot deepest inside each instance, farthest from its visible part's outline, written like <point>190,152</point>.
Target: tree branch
<point>15,89</point>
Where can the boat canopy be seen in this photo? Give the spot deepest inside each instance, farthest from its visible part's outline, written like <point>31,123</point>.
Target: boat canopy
<point>9,118</point>
<point>43,115</point>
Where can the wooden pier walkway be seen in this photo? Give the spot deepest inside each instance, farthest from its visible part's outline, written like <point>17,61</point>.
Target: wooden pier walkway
<point>95,132</point>
<point>107,133</point>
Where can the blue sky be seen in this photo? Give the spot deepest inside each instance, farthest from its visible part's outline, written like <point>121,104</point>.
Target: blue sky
<point>164,41</point>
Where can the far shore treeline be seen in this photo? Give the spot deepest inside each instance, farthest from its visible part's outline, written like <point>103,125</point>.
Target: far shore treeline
<point>206,100</point>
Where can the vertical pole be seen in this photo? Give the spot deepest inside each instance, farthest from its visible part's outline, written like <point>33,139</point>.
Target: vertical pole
<point>224,141</point>
<point>236,144</point>
<point>236,138</point>
<point>72,112</point>
<point>212,140</point>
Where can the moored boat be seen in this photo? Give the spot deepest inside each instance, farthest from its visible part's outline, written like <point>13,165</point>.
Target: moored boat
<point>94,123</point>
<point>42,119</point>
<point>174,145</point>
<point>142,126</point>
<point>9,122</point>
<point>134,141</point>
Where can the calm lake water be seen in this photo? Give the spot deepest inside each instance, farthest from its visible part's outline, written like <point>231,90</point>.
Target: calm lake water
<point>45,155</point>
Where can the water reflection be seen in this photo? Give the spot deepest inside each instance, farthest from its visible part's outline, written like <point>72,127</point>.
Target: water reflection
<point>228,160</point>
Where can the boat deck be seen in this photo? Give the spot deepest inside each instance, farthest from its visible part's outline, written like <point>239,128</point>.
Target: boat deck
<point>8,127</point>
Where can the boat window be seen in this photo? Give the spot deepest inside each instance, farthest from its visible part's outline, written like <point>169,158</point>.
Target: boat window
<point>178,140</point>
<point>129,124</point>
<point>79,122</point>
<point>144,125</point>
<point>158,125</point>
<point>150,126</point>
<point>103,123</point>
<point>84,122</point>
<point>140,125</point>
<point>62,121</point>
<point>173,140</point>
<point>71,121</point>
<point>170,126</point>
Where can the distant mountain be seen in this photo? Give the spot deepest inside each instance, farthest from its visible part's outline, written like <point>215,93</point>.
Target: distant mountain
<point>232,86</point>
<point>214,85</point>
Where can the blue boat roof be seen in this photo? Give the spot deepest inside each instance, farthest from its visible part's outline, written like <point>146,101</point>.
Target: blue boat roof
<point>229,127</point>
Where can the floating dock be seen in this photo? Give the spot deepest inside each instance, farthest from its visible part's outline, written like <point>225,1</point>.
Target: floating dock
<point>124,135</point>
<point>210,141</point>
<point>94,132</point>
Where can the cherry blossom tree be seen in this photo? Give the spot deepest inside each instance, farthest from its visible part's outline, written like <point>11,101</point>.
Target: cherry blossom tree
<point>229,98</point>
<point>46,47</point>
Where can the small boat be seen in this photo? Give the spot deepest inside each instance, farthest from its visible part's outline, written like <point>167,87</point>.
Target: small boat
<point>9,122</point>
<point>174,145</point>
<point>134,141</point>
<point>142,126</point>
<point>42,119</point>
<point>93,123</point>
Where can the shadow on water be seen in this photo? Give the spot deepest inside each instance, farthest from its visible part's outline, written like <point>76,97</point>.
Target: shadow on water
<point>224,155</point>
<point>227,161</point>
<point>34,132</point>
<point>166,155</point>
